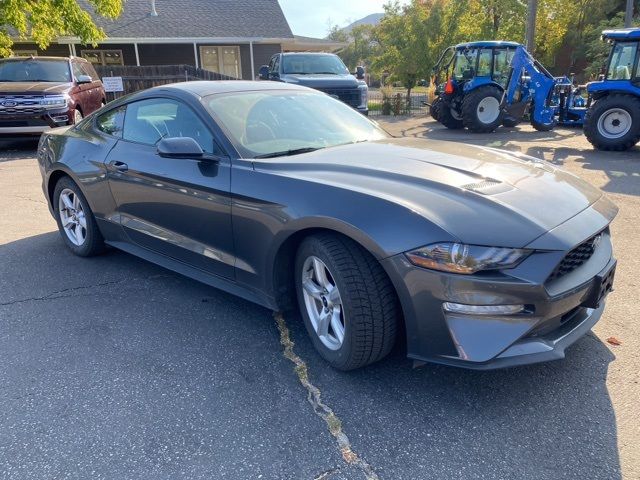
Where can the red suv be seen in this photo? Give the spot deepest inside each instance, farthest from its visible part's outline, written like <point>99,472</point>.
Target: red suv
<point>38,93</point>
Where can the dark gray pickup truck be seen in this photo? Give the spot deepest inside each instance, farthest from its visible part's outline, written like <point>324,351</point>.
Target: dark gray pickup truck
<point>322,71</point>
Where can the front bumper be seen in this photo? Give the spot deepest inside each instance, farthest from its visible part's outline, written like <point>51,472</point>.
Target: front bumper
<point>35,123</point>
<point>557,312</point>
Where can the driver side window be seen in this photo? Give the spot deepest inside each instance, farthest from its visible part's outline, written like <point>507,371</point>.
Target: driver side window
<point>149,121</point>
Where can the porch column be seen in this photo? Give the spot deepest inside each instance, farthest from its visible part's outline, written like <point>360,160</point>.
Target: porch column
<point>135,47</point>
<point>253,67</point>
<point>195,54</point>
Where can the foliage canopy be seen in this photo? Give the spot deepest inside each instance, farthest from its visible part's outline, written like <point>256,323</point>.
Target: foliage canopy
<point>44,20</point>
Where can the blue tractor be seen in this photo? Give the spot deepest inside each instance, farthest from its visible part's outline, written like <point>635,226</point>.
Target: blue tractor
<point>482,85</point>
<point>613,118</point>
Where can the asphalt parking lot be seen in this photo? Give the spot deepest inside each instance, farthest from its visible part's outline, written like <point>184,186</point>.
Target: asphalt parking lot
<point>113,368</point>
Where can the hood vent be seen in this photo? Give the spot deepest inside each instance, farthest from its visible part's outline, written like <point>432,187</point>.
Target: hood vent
<point>488,186</point>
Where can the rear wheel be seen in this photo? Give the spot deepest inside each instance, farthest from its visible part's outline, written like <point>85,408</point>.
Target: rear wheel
<point>449,116</point>
<point>348,304</point>
<point>613,122</point>
<point>435,108</point>
<point>76,222</point>
<point>481,109</point>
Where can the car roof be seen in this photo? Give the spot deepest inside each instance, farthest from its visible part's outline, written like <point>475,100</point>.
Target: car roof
<point>203,88</point>
<point>35,57</point>
<point>488,44</point>
<point>622,34</point>
<point>318,54</point>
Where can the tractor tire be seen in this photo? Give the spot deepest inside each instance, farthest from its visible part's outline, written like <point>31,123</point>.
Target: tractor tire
<point>435,108</point>
<point>613,122</point>
<point>542,127</point>
<point>510,122</point>
<point>481,111</point>
<point>448,117</point>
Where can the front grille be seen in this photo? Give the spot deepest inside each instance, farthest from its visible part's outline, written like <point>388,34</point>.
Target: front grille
<point>348,96</point>
<point>576,257</point>
<point>21,104</point>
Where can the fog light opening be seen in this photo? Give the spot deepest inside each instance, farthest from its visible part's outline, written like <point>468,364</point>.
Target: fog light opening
<point>483,309</point>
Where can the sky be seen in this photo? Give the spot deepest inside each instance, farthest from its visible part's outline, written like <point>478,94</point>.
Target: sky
<point>313,18</point>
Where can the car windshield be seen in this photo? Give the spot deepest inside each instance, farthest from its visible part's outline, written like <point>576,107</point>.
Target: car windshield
<point>34,71</point>
<point>313,65</point>
<point>274,123</point>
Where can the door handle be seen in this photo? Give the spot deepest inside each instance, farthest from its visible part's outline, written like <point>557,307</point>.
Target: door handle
<point>118,166</point>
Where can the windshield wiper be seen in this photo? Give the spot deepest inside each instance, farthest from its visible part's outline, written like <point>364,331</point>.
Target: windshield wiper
<point>285,153</point>
<point>325,73</point>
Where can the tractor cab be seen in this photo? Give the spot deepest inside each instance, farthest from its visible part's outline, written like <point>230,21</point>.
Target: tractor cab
<point>613,118</point>
<point>465,69</point>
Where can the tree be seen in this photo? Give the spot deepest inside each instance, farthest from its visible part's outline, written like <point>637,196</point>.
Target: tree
<point>409,39</point>
<point>45,20</point>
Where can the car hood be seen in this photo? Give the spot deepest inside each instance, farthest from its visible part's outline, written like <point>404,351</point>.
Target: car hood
<point>479,195</point>
<point>34,88</point>
<point>322,81</point>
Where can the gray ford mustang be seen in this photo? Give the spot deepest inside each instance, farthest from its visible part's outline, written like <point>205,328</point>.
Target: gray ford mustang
<point>289,198</point>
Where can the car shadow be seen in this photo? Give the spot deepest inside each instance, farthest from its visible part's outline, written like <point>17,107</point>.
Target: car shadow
<point>17,148</point>
<point>551,420</point>
<point>543,421</point>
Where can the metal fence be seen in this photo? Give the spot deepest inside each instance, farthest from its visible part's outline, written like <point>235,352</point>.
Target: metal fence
<point>395,103</point>
<point>140,78</point>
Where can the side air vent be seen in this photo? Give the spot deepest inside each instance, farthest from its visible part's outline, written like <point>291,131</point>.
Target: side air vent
<point>488,187</point>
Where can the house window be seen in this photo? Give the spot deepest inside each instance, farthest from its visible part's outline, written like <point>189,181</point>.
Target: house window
<point>104,57</point>
<point>223,59</point>
<point>25,53</point>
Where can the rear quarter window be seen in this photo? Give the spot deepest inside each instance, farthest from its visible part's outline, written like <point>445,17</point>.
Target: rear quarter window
<point>111,122</point>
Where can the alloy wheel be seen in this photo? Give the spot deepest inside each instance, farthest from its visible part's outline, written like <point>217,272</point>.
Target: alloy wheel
<point>72,217</point>
<point>323,302</point>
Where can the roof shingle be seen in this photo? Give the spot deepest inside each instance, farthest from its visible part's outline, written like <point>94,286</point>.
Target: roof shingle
<point>197,19</point>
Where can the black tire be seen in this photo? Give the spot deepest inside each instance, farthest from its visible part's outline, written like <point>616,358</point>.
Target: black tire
<point>448,119</point>
<point>471,107</point>
<point>94,242</point>
<point>510,122</point>
<point>541,127</point>
<point>370,306</point>
<point>597,138</point>
<point>435,109</point>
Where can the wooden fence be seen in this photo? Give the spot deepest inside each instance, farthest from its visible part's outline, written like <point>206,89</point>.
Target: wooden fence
<point>139,78</point>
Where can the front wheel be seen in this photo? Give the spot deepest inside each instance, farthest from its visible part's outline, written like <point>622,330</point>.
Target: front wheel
<point>613,122</point>
<point>347,302</point>
<point>481,109</point>
<point>76,222</point>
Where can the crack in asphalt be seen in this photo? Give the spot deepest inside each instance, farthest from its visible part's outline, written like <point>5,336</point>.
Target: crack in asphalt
<point>68,292</point>
<point>326,474</point>
<point>29,199</point>
<point>321,409</point>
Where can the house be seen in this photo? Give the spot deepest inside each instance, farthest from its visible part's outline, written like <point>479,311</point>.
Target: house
<point>231,37</point>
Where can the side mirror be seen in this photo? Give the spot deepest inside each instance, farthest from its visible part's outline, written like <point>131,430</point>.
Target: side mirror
<point>360,72</point>
<point>263,73</point>
<point>179,147</point>
<point>80,79</point>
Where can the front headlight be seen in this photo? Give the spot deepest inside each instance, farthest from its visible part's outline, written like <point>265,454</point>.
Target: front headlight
<point>364,94</point>
<point>466,259</point>
<point>55,101</point>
